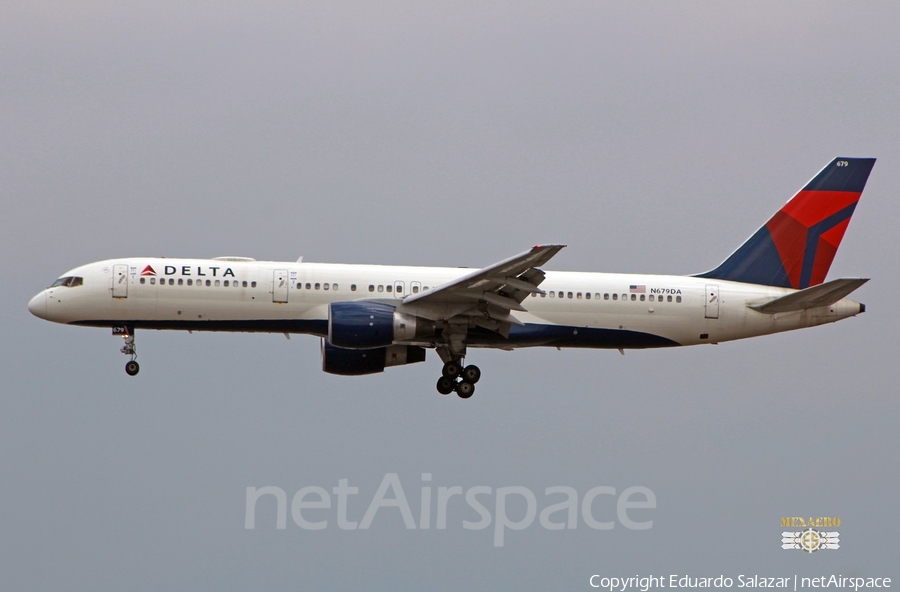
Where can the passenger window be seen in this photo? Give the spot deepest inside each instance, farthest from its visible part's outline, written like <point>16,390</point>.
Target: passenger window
<point>318,285</point>
<point>624,296</point>
<point>388,288</point>
<point>152,281</point>
<point>615,296</point>
<point>669,298</point>
<point>380,287</point>
<point>142,280</point>
<point>334,286</point>
<point>252,284</point>
<point>190,282</point>
<point>562,294</point>
<point>651,297</point>
<point>325,286</point>
<point>606,296</point>
<point>633,297</point>
<point>678,299</point>
<point>208,283</point>
<point>570,295</point>
<point>353,287</point>
<point>587,295</point>
<point>642,297</point>
<point>171,281</point>
<point>415,289</point>
<point>217,283</point>
<point>244,283</point>
<point>578,296</point>
<point>552,294</point>
<point>371,288</point>
<point>544,295</point>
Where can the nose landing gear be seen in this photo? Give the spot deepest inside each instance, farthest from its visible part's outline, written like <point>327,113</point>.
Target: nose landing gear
<point>131,367</point>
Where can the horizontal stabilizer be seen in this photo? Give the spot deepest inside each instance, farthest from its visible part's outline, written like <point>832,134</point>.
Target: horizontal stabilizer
<point>821,295</point>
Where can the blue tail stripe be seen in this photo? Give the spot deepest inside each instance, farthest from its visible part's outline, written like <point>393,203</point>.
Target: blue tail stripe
<point>812,241</point>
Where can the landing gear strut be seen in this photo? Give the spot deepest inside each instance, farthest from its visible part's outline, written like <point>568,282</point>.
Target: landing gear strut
<point>131,367</point>
<point>455,377</point>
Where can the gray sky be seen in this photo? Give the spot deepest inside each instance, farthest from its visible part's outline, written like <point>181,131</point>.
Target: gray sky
<point>648,136</point>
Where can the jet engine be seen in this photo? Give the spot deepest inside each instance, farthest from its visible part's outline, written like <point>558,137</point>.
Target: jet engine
<point>365,325</point>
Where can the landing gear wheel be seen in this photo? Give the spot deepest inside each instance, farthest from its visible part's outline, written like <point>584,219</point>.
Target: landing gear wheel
<point>471,374</point>
<point>132,368</point>
<point>451,369</point>
<point>465,389</point>
<point>445,385</point>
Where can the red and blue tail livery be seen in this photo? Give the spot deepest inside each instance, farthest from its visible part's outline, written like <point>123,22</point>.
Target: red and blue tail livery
<point>795,248</point>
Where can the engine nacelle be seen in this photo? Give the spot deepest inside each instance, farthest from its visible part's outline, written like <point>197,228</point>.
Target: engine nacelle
<point>355,362</point>
<point>366,325</point>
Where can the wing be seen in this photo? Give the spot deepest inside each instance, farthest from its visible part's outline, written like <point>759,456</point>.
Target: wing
<point>487,296</point>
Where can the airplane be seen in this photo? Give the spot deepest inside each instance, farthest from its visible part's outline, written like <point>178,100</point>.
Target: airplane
<point>371,317</point>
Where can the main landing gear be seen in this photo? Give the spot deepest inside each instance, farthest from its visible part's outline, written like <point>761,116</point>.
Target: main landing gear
<point>455,377</point>
<point>131,367</point>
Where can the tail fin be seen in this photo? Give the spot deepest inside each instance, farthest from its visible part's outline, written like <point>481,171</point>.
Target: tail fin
<point>796,246</point>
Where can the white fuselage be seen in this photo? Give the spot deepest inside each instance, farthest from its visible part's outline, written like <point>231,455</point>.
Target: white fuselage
<point>232,294</point>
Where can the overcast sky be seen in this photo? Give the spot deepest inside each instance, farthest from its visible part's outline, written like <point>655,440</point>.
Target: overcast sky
<point>648,136</point>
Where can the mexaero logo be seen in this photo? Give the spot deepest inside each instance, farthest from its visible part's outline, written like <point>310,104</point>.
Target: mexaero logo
<point>148,271</point>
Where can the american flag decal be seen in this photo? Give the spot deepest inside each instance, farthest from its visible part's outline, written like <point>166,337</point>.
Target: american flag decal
<point>637,289</point>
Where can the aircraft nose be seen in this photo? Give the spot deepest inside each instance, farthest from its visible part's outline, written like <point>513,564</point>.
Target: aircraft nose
<point>38,305</point>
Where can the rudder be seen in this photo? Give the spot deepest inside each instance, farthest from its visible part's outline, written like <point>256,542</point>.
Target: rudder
<point>795,248</point>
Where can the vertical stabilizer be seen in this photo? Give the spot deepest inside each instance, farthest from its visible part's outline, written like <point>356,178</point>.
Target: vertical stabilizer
<point>795,248</point>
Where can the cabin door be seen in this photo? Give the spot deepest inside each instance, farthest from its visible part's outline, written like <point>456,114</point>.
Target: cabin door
<point>712,301</point>
<point>120,281</point>
<point>280,285</point>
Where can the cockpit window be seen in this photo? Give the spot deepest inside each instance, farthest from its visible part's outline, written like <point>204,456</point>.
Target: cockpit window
<point>68,282</point>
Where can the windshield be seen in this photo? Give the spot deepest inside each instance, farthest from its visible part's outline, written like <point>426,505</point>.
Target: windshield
<point>68,282</point>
